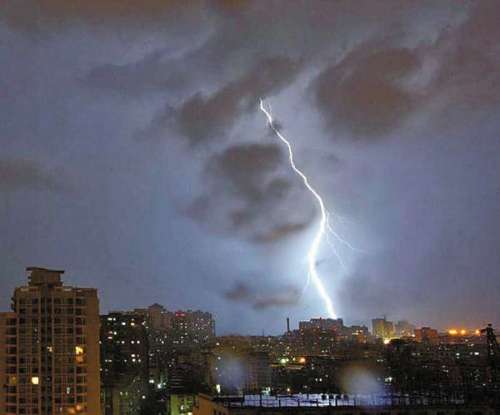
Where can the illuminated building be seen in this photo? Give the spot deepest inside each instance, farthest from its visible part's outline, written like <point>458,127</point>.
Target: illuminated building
<point>181,404</point>
<point>187,372</point>
<point>192,327</point>
<point>427,334</point>
<point>150,352</point>
<point>124,362</point>
<point>316,342</point>
<point>322,324</point>
<point>382,328</point>
<point>404,329</point>
<point>159,318</point>
<point>359,334</point>
<point>258,371</point>
<point>50,348</point>
<point>236,366</point>
<point>378,327</point>
<point>8,380</point>
<point>205,405</point>
<point>316,336</point>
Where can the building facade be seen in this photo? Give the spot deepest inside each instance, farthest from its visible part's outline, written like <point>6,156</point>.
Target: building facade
<point>382,328</point>
<point>322,324</point>
<point>427,334</point>
<point>50,348</point>
<point>124,362</point>
<point>192,328</point>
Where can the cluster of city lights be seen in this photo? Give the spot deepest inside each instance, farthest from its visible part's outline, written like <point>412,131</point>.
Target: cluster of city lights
<point>286,360</point>
<point>463,332</point>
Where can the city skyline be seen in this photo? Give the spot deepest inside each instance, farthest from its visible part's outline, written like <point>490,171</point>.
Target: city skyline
<point>58,354</point>
<point>135,157</point>
<point>164,312</point>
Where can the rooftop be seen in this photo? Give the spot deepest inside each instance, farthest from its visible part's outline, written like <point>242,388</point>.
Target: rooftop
<point>43,276</point>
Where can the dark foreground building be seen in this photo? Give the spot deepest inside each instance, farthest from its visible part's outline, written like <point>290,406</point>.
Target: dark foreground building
<point>124,362</point>
<point>316,405</point>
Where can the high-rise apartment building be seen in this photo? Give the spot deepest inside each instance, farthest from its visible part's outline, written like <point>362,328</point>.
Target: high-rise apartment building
<point>7,357</point>
<point>427,334</point>
<point>382,328</point>
<point>49,348</point>
<point>404,329</point>
<point>191,328</point>
<point>322,324</point>
<point>159,318</point>
<point>124,360</point>
<point>235,367</point>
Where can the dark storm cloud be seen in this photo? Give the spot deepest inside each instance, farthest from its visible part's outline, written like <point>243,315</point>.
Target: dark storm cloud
<point>34,14</point>
<point>377,85</point>
<point>147,75</point>
<point>273,297</point>
<point>470,71</point>
<point>245,167</point>
<point>27,174</point>
<point>240,292</point>
<point>245,194</point>
<point>281,231</point>
<point>364,92</point>
<point>203,117</point>
<point>287,297</point>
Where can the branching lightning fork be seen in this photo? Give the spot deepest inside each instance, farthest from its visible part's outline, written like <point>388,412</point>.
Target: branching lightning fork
<point>324,225</point>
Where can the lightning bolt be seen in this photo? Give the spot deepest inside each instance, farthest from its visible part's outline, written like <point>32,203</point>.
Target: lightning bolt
<point>324,224</point>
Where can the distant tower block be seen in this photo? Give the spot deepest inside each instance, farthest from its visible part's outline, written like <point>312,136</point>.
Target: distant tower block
<point>288,324</point>
<point>493,349</point>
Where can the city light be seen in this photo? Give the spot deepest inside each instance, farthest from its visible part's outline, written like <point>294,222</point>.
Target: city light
<point>461,332</point>
<point>79,357</point>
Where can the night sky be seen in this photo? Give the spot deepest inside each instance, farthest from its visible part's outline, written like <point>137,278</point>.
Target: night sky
<point>134,156</point>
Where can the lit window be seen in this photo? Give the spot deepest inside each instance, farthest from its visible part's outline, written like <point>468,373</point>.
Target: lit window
<point>35,380</point>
